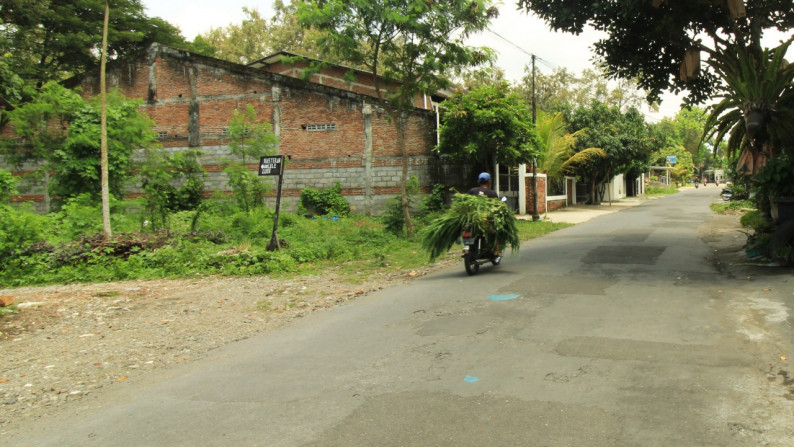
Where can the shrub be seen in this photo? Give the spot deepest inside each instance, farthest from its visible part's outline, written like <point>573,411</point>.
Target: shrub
<point>170,183</point>
<point>322,202</point>
<point>393,218</point>
<point>756,220</point>
<point>436,201</point>
<point>19,229</point>
<point>7,185</point>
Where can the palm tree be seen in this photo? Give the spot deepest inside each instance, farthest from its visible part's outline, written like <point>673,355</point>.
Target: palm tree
<point>557,147</point>
<point>556,144</point>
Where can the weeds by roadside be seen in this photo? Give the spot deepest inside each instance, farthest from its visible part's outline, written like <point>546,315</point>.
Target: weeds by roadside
<point>225,241</point>
<point>660,191</point>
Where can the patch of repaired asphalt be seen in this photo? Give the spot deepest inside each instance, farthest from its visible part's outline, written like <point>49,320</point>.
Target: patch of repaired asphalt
<point>649,351</point>
<point>420,418</point>
<point>624,254</point>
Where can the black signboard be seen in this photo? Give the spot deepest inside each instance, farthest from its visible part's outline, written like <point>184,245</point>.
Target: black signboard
<point>274,165</point>
<point>271,165</point>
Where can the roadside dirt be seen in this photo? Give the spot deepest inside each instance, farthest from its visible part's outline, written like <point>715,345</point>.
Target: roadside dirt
<point>71,341</point>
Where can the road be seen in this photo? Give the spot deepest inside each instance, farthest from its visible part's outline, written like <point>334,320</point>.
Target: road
<point>620,331</point>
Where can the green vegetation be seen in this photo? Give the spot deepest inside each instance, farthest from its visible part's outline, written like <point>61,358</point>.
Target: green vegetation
<point>660,190</point>
<point>481,215</point>
<point>323,202</point>
<point>735,205</point>
<point>66,247</point>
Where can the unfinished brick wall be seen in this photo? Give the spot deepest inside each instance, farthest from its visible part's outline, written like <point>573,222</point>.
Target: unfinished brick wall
<point>327,135</point>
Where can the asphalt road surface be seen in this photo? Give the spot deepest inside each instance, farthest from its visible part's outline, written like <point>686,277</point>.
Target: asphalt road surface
<point>621,331</point>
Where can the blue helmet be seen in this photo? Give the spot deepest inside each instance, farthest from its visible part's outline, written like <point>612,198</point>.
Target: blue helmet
<point>484,177</point>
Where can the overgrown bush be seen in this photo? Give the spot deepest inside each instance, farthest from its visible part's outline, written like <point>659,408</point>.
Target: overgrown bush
<point>170,183</point>
<point>7,185</point>
<point>436,201</point>
<point>20,228</point>
<point>323,202</point>
<point>756,221</point>
<point>393,218</point>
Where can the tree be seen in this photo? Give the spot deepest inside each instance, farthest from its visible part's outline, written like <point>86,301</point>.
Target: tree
<point>556,143</point>
<point>61,131</point>
<point>257,37</point>
<point>55,39</point>
<point>658,42</point>
<point>243,43</point>
<point>690,126</point>
<point>562,90</point>
<point>103,138</point>
<point>249,140</point>
<point>411,46</point>
<point>666,141</point>
<point>487,126</point>
<point>622,137</point>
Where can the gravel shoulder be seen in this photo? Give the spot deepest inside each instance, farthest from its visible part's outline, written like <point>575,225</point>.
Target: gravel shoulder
<point>68,342</point>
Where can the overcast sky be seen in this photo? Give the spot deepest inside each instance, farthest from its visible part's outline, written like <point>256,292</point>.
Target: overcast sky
<point>520,34</point>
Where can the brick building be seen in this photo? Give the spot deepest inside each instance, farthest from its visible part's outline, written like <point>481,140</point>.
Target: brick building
<point>329,130</point>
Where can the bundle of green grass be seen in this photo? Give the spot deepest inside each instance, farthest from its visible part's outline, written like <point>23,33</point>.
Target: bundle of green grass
<point>481,214</point>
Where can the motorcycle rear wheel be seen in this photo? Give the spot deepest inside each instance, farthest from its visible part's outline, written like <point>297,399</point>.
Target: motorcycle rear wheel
<point>471,264</point>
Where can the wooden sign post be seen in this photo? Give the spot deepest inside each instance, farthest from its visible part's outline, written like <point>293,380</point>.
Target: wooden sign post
<point>274,166</point>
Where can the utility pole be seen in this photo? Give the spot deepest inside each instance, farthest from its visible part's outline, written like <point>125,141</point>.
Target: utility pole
<point>103,137</point>
<point>535,215</point>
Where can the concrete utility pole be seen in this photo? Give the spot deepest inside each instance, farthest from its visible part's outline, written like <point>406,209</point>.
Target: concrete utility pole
<point>103,123</point>
<point>535,215</point>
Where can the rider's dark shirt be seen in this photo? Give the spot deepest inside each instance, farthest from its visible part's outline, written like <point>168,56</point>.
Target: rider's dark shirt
<point>483,191</point>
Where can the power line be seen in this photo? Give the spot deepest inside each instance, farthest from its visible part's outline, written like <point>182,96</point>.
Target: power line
<point>537,58</point>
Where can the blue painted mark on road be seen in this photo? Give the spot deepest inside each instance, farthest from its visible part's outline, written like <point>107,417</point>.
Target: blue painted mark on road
<point>511,296</point>
<point>471,379</point>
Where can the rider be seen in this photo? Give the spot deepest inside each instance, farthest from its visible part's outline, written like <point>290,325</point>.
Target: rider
<point>484,190</point>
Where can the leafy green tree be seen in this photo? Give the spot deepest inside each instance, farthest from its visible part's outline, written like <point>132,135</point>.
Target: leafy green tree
<point>55,39</point>
<point>12,87</point>
<point>648,40</point>
<point>622,136</point>
<point>249,140</point>
<point>562,90</point>
<point>666,141</point>
<point>486,126</point>
<point>690,126</point>
<point>243,43</point>
<point>256,37</point>
<point>411,46</point>
<point>61,130</point>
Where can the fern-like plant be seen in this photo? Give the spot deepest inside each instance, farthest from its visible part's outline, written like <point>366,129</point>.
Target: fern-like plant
<point>759,83</point>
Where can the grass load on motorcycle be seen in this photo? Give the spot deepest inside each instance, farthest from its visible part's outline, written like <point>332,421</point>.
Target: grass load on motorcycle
<point>480,217</point>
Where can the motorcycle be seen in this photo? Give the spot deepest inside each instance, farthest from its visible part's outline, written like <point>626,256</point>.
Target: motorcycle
<point>477,251</point>
<point>726,194</point>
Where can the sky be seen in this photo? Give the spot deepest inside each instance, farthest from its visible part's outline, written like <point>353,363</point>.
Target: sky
<point>512,35</point>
